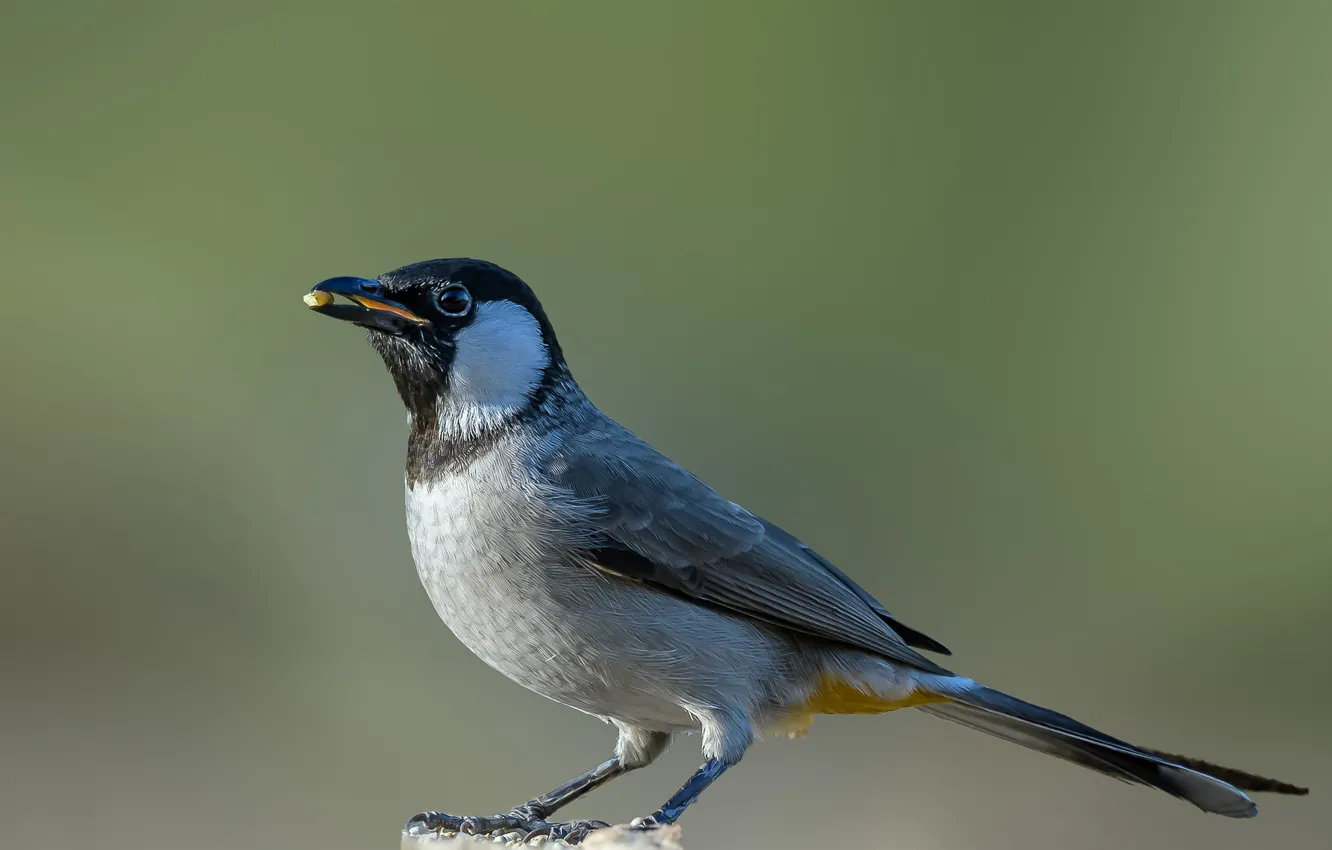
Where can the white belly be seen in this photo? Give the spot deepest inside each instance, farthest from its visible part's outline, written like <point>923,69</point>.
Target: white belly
<point>492,555</point>
<point>490,558</point>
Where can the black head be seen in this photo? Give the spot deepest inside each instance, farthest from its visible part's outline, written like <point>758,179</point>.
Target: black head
<point>466,341</point>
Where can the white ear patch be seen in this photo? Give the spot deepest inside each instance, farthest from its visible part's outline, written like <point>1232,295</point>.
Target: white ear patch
<point>498,360</point>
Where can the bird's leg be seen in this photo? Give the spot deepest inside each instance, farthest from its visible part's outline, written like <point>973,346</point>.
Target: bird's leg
<point>530,817</point>
<point>671,810</point>
<point>552,801</point>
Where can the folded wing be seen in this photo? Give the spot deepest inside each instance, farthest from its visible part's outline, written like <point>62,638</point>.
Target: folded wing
<point>655,522</point>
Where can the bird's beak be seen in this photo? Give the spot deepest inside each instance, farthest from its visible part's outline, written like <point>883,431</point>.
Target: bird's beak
<point>369,308</point>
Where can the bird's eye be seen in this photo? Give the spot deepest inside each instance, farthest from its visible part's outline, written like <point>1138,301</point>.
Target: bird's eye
<point>455,300</point>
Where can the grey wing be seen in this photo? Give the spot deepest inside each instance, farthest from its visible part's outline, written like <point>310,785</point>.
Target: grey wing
<point>913,638</point>
<point>656,522</point>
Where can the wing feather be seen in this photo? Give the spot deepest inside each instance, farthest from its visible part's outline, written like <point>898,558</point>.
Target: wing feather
<point>656,522</point>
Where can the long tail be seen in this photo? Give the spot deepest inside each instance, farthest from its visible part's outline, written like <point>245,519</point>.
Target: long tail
<point>1210,787</point>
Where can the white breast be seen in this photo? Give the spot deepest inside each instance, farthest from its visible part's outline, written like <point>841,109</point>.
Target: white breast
<point>488,543</point>
<point>467,528</point>
<point>492,548</point>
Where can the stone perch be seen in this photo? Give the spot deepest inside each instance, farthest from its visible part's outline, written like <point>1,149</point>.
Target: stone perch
<point>614,838</point>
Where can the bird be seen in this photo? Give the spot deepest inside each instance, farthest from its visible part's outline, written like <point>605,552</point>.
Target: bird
<point>581,563</point>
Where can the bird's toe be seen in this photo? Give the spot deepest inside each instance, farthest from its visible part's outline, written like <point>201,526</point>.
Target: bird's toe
<point>431,822</point>
<point>436,823</point>
<point>644,824</point>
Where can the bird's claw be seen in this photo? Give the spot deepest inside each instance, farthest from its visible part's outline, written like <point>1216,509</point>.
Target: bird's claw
<point>645,824</point>
<point>428,822</point>
<point>521,819</point>
<point>438,822</point>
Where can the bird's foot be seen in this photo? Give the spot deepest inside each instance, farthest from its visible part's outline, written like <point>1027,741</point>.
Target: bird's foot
<point>523,820</point>
<point>573,832</point>
<point>656,820</point>
<point>518,820</point>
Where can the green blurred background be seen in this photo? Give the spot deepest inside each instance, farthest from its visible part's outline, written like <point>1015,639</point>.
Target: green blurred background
<point>1019,312</point>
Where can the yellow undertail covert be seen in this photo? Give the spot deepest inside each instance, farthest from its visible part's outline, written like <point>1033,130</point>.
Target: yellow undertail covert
<point>838,696</point>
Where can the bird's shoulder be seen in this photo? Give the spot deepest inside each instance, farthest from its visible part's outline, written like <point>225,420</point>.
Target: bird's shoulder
<point>645,500</point>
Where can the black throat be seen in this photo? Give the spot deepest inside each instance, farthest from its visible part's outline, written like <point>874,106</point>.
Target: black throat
<point>421,361</point>
<point>420,373</point>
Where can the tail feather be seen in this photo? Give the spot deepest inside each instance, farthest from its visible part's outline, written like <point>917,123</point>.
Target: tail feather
<point>1212,788</point>
<point>1239,778</point>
